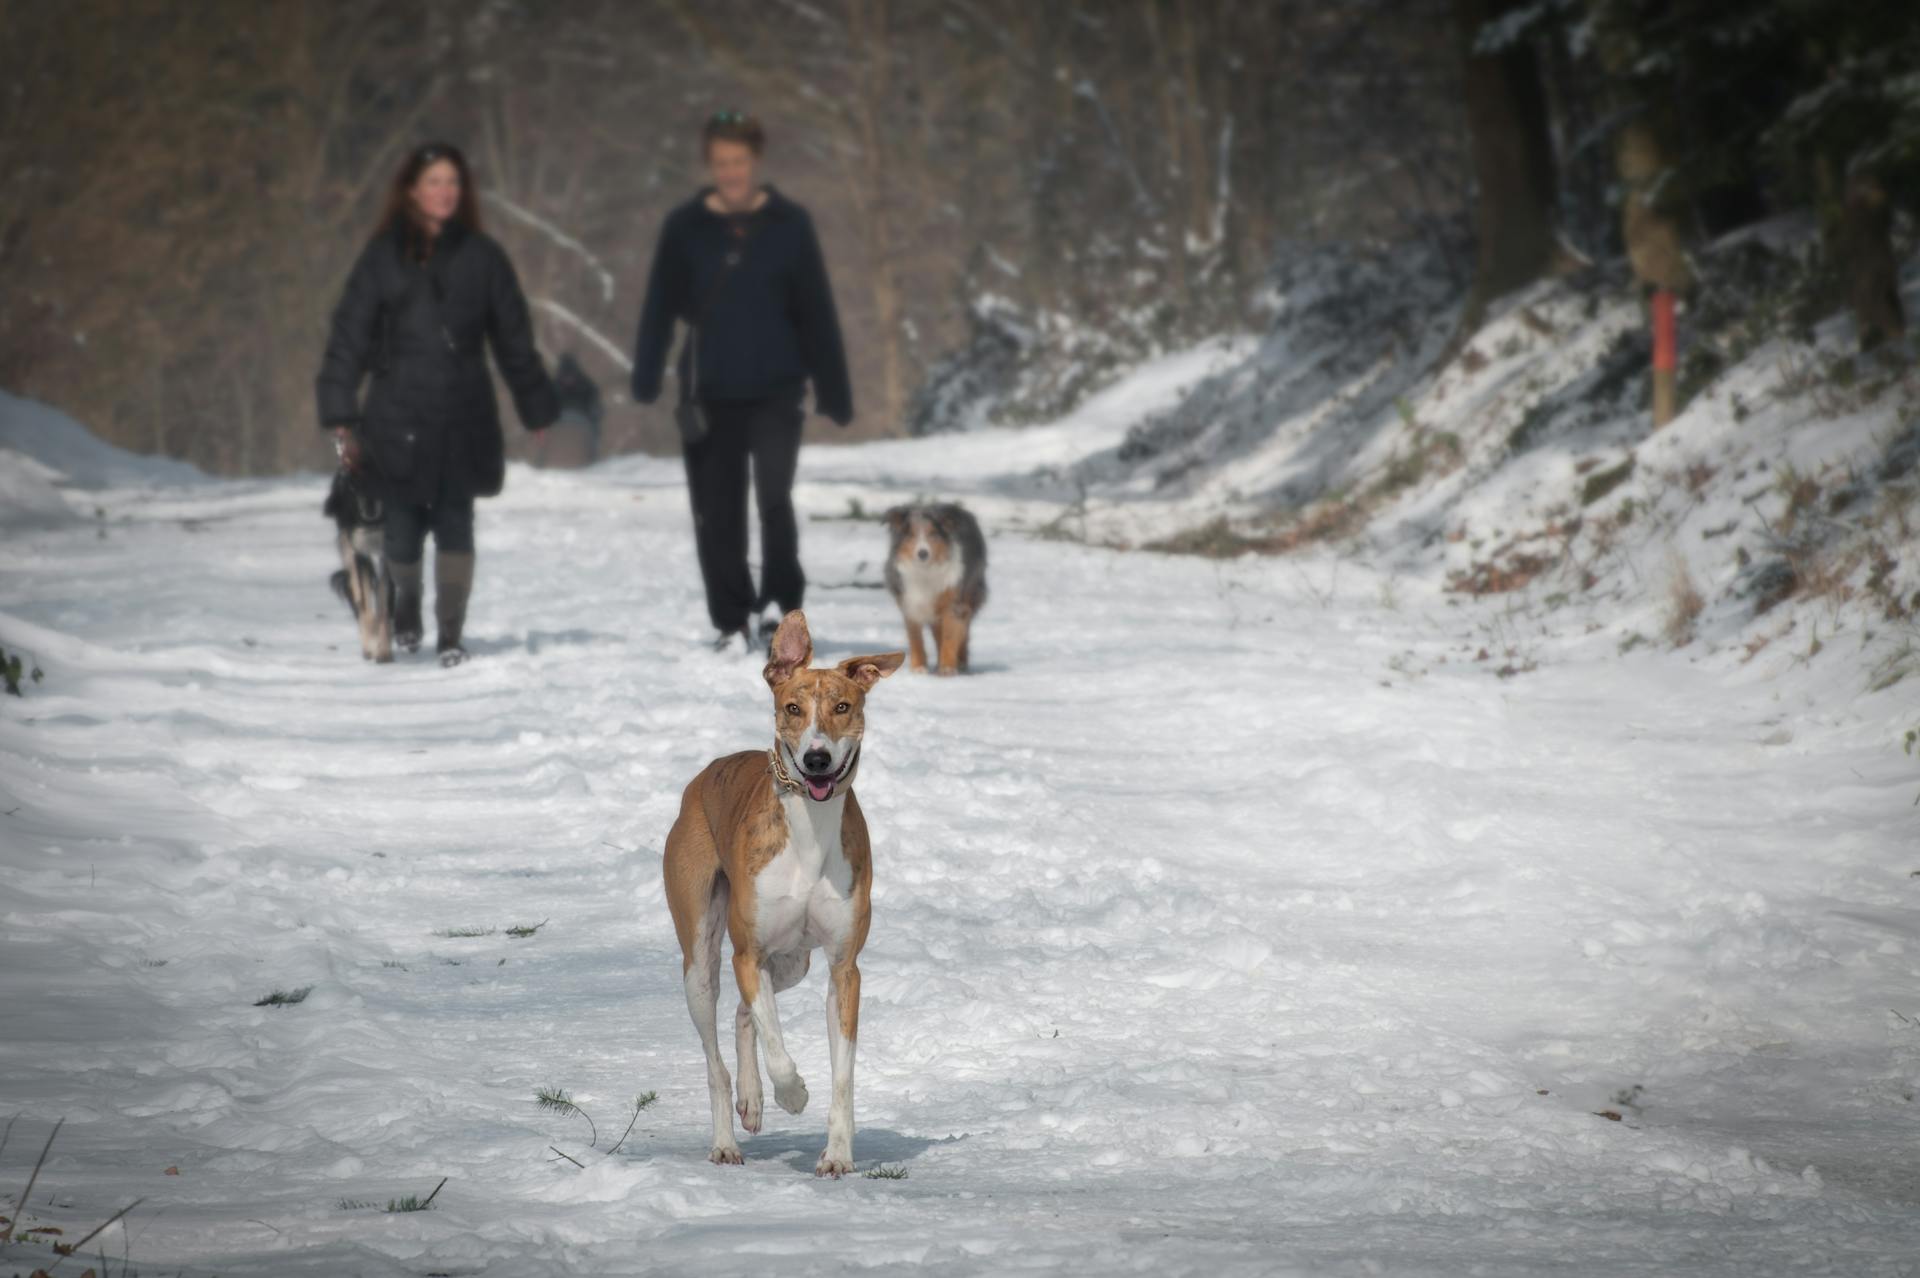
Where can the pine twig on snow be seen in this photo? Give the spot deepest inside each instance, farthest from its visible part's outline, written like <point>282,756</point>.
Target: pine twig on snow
<point>639,1103</point>
<point>557,1101</point>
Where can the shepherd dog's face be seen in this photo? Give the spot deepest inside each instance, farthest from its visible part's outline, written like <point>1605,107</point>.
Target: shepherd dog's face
<point>819,715</point>
<point>920,536</point>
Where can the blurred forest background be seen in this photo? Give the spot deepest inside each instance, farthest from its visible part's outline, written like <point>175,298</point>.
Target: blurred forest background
<point>1018,198</point>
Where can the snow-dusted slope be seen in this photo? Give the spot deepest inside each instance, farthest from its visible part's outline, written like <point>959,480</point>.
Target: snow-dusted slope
<point>1519,462</point>
<point>1232,919</point>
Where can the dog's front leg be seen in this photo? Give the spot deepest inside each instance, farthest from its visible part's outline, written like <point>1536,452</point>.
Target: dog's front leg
<point>952,634</point>
<point>843,1025</point>
<point>756,991</point>
<point>746,1064</point>
<point>916,646</point>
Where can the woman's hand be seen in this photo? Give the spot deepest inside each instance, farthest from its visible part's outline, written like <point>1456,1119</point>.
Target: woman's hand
<point>347,447</point>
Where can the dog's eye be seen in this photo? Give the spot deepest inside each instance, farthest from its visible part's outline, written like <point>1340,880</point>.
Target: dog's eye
<point>793,709</point>
<point>842,708</point>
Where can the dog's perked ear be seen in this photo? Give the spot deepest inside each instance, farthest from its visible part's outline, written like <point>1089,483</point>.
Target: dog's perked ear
<point>867,671</point>
<point>791,651</point>
<point>896,519</point>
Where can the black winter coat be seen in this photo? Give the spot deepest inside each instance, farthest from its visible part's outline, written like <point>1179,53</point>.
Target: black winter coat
<point>430,424</point>
<point>770,328</point>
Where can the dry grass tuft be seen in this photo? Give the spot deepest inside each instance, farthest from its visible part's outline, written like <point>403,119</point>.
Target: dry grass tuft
<point>1684,604</point>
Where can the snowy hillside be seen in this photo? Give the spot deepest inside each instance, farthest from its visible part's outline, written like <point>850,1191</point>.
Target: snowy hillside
<point>1517,463</point>
<point>1233,919</point>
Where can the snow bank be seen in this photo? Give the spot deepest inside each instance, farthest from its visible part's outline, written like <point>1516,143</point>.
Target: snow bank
<point>28,498</point>
<point>1522,468</point>
<point>77,457</point>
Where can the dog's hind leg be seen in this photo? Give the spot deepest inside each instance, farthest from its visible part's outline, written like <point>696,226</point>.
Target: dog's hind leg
<point>703,1002</point>
<point>699,896</point>
<point>785,971</point>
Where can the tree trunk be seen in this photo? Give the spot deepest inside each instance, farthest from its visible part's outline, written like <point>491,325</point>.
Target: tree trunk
<point>867,20</point>
<point>1512,158</point>
<point>1867,262</point>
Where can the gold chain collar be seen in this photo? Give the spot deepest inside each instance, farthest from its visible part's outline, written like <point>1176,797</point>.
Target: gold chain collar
<point>778,767</point>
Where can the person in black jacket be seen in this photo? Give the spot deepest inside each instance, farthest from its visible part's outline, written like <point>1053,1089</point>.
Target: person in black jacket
<point>740,266</point>
<point>428,291</point>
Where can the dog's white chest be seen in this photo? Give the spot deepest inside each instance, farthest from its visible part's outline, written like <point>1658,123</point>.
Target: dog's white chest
<point>922,584</point>
<point>803,897</point>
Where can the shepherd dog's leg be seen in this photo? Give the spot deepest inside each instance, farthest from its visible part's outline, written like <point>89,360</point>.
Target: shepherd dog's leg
<point>952,633</point>
<point>916,646</point>
<point>378,592</point>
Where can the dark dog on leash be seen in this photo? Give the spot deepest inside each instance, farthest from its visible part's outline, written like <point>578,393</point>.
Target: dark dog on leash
<point>359,513</point>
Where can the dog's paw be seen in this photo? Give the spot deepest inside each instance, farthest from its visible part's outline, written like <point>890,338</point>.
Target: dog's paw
<point>791,1094</point>
<point>726,1156</point>
<point>834,1165</point>
<point>749,1111</point>
<point>947,672</point>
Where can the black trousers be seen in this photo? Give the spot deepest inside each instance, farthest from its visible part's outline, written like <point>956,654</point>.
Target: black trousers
<point>449,520</point>
<point>766,434</point>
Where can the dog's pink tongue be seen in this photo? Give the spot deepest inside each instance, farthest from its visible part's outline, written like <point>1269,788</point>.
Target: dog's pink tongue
<point>820,787</point>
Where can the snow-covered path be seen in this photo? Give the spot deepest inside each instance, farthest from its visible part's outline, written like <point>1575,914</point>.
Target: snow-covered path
<point>1219,926</point>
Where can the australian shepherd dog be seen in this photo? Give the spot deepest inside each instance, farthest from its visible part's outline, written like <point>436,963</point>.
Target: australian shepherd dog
<point>937,572</point>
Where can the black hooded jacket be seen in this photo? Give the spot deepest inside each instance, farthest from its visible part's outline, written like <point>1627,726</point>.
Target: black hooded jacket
<point>769,329</point>
<point>430,423</point>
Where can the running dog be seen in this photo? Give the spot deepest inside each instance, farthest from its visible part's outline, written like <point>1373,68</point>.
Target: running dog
<point>770,850</point>
<point>359,518</point>
<point>937,572</point>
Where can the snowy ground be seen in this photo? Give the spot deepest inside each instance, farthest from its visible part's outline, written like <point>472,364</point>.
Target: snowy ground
<point>1232,919</point>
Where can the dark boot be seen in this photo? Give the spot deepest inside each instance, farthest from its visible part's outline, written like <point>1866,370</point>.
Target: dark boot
<point>452,584</point>
<point>408,586</point>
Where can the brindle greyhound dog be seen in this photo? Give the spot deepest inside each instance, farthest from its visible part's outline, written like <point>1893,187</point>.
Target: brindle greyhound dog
<point>771,849</point>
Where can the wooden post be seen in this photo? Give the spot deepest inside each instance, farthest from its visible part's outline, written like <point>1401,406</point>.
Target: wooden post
<point>1666,388</point>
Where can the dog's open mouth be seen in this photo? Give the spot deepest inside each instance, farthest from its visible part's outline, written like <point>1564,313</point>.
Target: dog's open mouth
<point>821,788</point>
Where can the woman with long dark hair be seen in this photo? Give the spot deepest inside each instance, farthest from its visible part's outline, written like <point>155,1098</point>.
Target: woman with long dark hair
<point>739,265</point>
<point>429,292</point>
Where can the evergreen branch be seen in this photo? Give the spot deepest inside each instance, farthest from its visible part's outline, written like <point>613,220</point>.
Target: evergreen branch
<point>554,1100</point>
<point>639,1103</point>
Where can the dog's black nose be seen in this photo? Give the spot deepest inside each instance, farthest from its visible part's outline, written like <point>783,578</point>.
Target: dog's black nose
<point>924,553</point>
<point>816,760</point>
